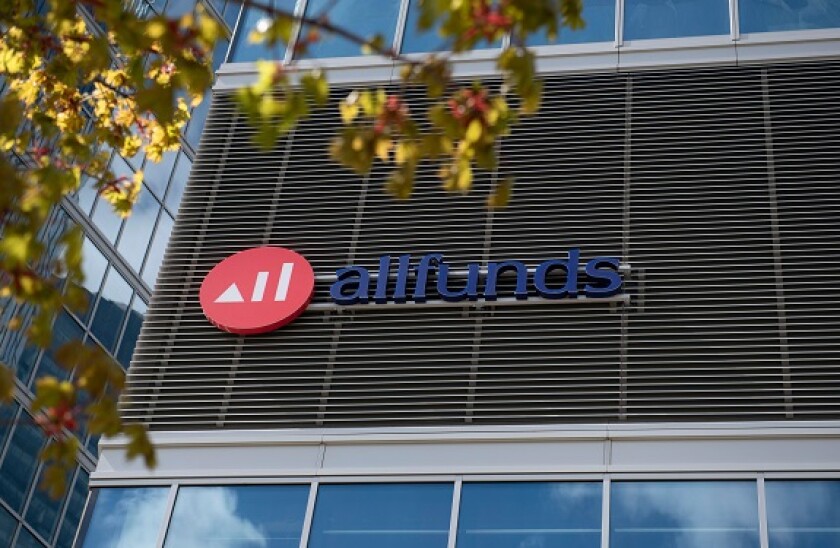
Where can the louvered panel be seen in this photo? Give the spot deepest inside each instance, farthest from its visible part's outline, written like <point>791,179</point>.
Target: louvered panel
<point>717,186</point>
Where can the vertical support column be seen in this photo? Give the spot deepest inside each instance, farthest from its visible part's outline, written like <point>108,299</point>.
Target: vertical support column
<point>402,20</point>
<point>784,349</point>
<point>605,514</point>
<point>456,509</point>
<point>619,24</point>
<point>763,535</point>
<point>734,21</point>
<point>310,513</point>
<point>167,515</point>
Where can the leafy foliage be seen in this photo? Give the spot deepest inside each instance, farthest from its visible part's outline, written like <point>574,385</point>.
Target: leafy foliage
<point>75,92</point>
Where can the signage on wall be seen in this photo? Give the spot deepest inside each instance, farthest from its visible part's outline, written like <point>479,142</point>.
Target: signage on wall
<point>262,289</point>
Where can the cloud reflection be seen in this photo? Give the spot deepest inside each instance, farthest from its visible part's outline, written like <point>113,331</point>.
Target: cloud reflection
<point>208,517</point>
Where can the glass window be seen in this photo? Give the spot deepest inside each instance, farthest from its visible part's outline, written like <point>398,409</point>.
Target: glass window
<point>86,193</point>
<point>132,331</point>
<point>103,213</point>
<point>110,311</point>
<point>19,465</point>
<point>156,174</point>
<point>73,513</point>
<point>803,514</point>
<point>415,41</point>
<point>65,329</point>
<point>26,362</point>
<point>231,13</point>
<point>164,230</point>
<point>27,540</point>
<point>42,513</point>
<point>126,517</point>
<point>177,8</point>
<point>382,516</point>
<point>599,16</point>
<point>501,515</point>
<point>7,418</point>
<point>238,517</point>
<point>94,265</point>
<point>219,53</point>
<point>197,119</point>
<point>7,527</point>
<point>365,17</point>
<point>135,238</point>
<point>179,181</point>
<point>779,15</point>
<point>690,514</point>
<point>675,18</point>
<point>252,18</point>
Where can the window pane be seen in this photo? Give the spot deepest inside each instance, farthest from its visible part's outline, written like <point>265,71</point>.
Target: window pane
<point>65,329</point>
<point>778,15</point>
<point>382,516</point>
<point>599,16</point>
<point>803,514</point>
<point>238,517</point>
<point>197,118</point>
<point>94,265</point>
<point>138,229</point>
<point>156,174</point>
<point>179,181</point>
<point>7,418</point>
<point>126,517</point>
<point>132,331</point>
<point>43,510</point>
<point>7,527</point>
<point>675,18</point>
<point>243,50</point>
<point>159,242</point>
<point>231,13</point>
<point>366,17</point>
<point>687,514</point>
<point>27,540</point>
<point>110,311</point>
<point>19,464</point>
<point>73,514</point>
<point>415,41</point>
<point>502,515</point>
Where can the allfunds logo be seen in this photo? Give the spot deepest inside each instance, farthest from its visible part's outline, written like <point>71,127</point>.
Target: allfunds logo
<point>257,290</point>
<point>261,289</point>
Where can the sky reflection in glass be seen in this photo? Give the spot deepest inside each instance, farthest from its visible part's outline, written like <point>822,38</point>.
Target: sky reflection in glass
<point>675,18</point>
<point>668,514</point>
<point>509,515</point>
<point>803,514</point>
<point>126,518</point>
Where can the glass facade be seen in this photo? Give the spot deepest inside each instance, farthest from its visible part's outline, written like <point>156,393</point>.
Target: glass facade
<point>568,514</point>
<point>121,262</point>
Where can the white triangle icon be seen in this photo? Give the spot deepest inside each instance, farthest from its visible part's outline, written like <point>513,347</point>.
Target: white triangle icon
<point>231,295</point>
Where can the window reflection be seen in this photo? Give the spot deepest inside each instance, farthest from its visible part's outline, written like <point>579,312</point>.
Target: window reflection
<point>382,516</point>
<point>685,514</point>
<point>126,518</point>
<point>110,310</point>
<point>138,229</point>
<point>366,18</point>
<point>42,512</point>
<point>503,515</point>
<point>26,539</point>
<point>780,15</point>
<point>7,527</point>
<point>156,174</point>
<point>252,18</point>
<point>73,513</point>
<point>238,517</point>
<point>132,331</point>
<point>599,16</point>
<point>94,265</point>
<point>179,181</point>
<point>675,18</point>
<point>803,514</point>
<point>417,41</point>
<point>65,329</point>
<point>155,257</point>
<point>18,467</point>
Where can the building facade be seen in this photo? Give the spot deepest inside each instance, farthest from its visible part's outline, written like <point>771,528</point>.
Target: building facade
<point>694,142</point>
<point>122,259</point>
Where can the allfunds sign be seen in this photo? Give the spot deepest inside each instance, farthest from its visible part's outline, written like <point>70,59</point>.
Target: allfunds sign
<point>262,289</point>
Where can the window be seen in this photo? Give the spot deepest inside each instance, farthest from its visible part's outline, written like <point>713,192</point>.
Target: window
<point>675,18</point>
<point>599,16</point>
<point>27,540</point>
<point>125,517</point>
<point>132,330</point>
<point>238,517</point>
<point>7,527</point>
<point>138,229</point>
<point>416,41</point>
<point>156,174</point>
<point>164,229</point>
<point>110,310</point>
<point>779,15</point>
<point>252,18</point>
<point>366,18</point>
<point>803,514</point>
<point>73,513</point>
<point>692,514</point>
<point>496,515</point>
<point>43,510</point>
<point>65,329</point>
<point>94,266</point>
<point>382,516</point>
<point>179,181</point>
<point>18,467</point>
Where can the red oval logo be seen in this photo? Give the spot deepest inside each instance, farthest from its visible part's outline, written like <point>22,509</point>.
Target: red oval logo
<point>257,290</point>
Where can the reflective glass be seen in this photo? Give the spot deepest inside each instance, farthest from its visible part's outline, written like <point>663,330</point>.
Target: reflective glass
<point>110,311</point>
<point>504,515</point>
<point>19,464</point>
<point>43,510</point>
<point>132,331</point>
<point>94,265</point>
<point>156,174</point>
<point>27,540</point>
<point>382,516</point>
<point>779,15</point>
<point>179,181</point>
<point>86,194</point>
<point>65,329</point>
<point>416,41</point>
<point>238,517</point>
<point>7,527</point>
<point>176,8</point>
<point>26,362</point>
<point>667,514</point>
<point>155,257</point>
<point>366,18</point>
<point>599,18</point>
<point>243,50</point>
<point>675,18</point>
<point>137,233</point>
<point>7,417</point>
<point>103,212</point>
<point>231,13</point>
<point>126,518</point>
<point>803,514</point>
<point>197,118</point>
<point>73,513</point>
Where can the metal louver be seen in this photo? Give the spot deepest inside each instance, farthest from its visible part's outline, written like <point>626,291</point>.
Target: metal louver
<point>719,186</point>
